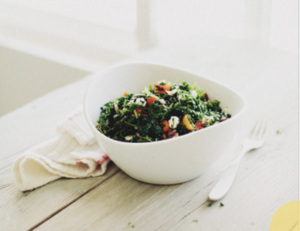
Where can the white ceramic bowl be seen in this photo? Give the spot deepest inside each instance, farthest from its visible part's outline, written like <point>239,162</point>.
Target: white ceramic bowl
<point>168,161</point>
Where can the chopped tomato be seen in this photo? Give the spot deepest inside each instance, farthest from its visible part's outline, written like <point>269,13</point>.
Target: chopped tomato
<point>159,88</point>
<point>188,124</point>
<point>151,100</point>
<point>198,125</point>
<point>205,96</point>
<point>166,125</point>
<point>138,110</point>
<point>118,123</point>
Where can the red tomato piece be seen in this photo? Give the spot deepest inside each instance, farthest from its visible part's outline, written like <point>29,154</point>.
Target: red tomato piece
<point>138,110</point>
<point>199,125</point>
<point>151,100</point>
<point>158,88</point>
<point>166,125</point>
<point>205,96</point>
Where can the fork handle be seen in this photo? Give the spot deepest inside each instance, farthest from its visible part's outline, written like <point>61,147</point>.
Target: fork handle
<point>225,182</point>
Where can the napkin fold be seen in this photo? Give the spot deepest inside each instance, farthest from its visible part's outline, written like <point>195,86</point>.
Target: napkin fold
<point>72,153</point>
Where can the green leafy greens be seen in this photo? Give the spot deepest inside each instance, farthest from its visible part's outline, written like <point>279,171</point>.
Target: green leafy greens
<point>161,111</point>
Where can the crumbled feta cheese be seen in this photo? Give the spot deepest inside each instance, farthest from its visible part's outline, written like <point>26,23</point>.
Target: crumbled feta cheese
<point>128,138</point>
<point>140,101</point>
<point>162,101</point>
<point>171,93</point>
<point>194,93</point>
<point>173,122</point>
<point>179,96</point>
<point>116,108</point>
<point>209,118</point>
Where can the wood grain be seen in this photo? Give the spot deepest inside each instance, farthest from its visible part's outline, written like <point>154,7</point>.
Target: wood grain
<point>20,130</point>
<point>267,177</point>
<point>25,210</point>
<point>36,121</point>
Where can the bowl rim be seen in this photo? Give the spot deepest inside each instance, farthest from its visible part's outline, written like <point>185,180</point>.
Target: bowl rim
<point>245,106</point>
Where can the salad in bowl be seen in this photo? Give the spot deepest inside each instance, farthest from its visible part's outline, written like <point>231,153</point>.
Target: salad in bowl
<point>167,132</point>
<point>163,110</point>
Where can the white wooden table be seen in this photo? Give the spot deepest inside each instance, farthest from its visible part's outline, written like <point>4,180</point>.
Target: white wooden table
<point>267,178</point>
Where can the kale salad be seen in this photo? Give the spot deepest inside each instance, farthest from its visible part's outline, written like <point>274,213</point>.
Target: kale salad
<point>161,111</point>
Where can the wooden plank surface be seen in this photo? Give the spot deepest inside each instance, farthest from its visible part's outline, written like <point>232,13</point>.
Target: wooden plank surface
<point>258,191</point>
<point>20,130</point>
<point>267,177</point>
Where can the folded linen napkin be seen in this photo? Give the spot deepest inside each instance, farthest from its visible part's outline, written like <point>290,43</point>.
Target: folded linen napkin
<point>73,153</point>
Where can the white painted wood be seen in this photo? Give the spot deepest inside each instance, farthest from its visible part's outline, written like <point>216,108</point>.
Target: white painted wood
<point>25,210</point>
<point>69,41</point>
<point>258,20</point>
<point>23,128</point>
<point>37,120</point>
<point>32,78</point>
<point>254,141</point>
<point>267,177</point>
<point>266,180</point>
<point>146,31</point>
<point>62,28</point>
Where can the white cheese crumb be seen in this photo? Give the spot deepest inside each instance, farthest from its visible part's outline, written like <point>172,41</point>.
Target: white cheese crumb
<point>162,101</point>
<point>128,138</point>
<point>209,118</point>
<point>194,93</point>
<point>116,108</point>
<point>140,101</point>
<point>173,122</point>
<point>171,93</point>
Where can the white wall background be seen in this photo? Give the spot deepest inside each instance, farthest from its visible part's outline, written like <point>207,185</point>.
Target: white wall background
<point>174,20</point>
<point>83,36</point>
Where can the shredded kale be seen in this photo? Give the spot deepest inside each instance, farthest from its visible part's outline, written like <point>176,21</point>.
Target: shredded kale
<point>131,120</point>
<point>210,204</point>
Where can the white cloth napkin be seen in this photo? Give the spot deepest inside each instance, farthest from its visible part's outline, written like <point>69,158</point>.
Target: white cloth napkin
<point>73,153</point>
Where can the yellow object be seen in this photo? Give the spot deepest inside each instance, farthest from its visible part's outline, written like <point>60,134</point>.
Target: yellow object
<point>286,218</point>
<point>189,125</point>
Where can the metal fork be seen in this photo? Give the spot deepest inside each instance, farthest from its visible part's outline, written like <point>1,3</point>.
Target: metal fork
<point>254,141</point>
